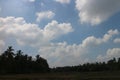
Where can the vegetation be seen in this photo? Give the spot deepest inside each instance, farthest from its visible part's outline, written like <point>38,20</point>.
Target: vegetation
<point>11,62</point>
<point>20,63</point>
<point>17,65</point>
<point>111,65</point>
<point>65,76</point>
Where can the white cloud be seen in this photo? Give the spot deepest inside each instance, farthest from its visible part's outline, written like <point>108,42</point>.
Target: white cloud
<point>96,41</point>
<point>61,54</point>
<point>96,11</point>
<point>65,54</point>
<point>31,34</point>
<point>111,53</point>
<point>117,40</point>
<point>63,1</point>
<point>115,52</point>
<point>54,29</point>
<point>44,15</point>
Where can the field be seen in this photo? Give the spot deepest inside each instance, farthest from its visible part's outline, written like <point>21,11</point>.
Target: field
<point>65,76</point>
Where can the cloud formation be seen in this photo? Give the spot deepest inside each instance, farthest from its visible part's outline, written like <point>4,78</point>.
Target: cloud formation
<point>44,15</point>
<point>117,40</point>
<point>31,34</point>
<point>54,29</point>
<point>64,54</point>
<point>63,1</point>
<point>111,53</point>
<point>96,11</point>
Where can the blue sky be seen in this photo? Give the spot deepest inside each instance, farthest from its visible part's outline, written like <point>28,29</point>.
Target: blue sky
<point>65,32</point>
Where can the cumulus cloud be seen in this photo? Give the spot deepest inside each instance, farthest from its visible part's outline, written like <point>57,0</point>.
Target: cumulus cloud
<point>44,15</point>
<point>111,53</point>
<point>93,40</point>
<point>31,34</point>
<point>64,54</point>
<point>63,1</point>
<point>54,29</point>
<point>117,40</point>
<point>115,52</point>
<point>96,11</point>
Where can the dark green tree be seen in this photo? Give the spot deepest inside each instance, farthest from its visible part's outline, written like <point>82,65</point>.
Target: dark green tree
<point>11,62</point>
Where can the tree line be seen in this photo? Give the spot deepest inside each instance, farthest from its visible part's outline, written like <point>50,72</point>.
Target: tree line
<point>12,62</point>
<point>17,62</point>
<point>111,65</point>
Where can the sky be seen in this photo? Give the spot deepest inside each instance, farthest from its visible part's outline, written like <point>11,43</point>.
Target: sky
<point>65,32</point>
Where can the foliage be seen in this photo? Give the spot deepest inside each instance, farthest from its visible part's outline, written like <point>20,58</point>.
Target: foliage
<point>11,62</point>
<point>111,65</point>
<point>17,62</point>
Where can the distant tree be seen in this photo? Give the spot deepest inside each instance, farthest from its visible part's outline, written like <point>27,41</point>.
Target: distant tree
<point>112,64</point>
<point>9,53</point>
<point>41,63</point>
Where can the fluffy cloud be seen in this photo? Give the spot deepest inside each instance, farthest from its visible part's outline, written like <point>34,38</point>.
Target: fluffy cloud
<point>96,41</point>
<point>63,1</point>
<point>54,29</point>
<point>62,54</point>
<point>31,34</point>
<point>114,52</point>
<point>96,11</point>
<point>44,15</point>
<point>65,54</point>
<point>117,40</point>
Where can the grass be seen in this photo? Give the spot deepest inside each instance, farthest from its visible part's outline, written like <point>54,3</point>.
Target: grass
<point>99,76</point>
<point>65,76</point>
